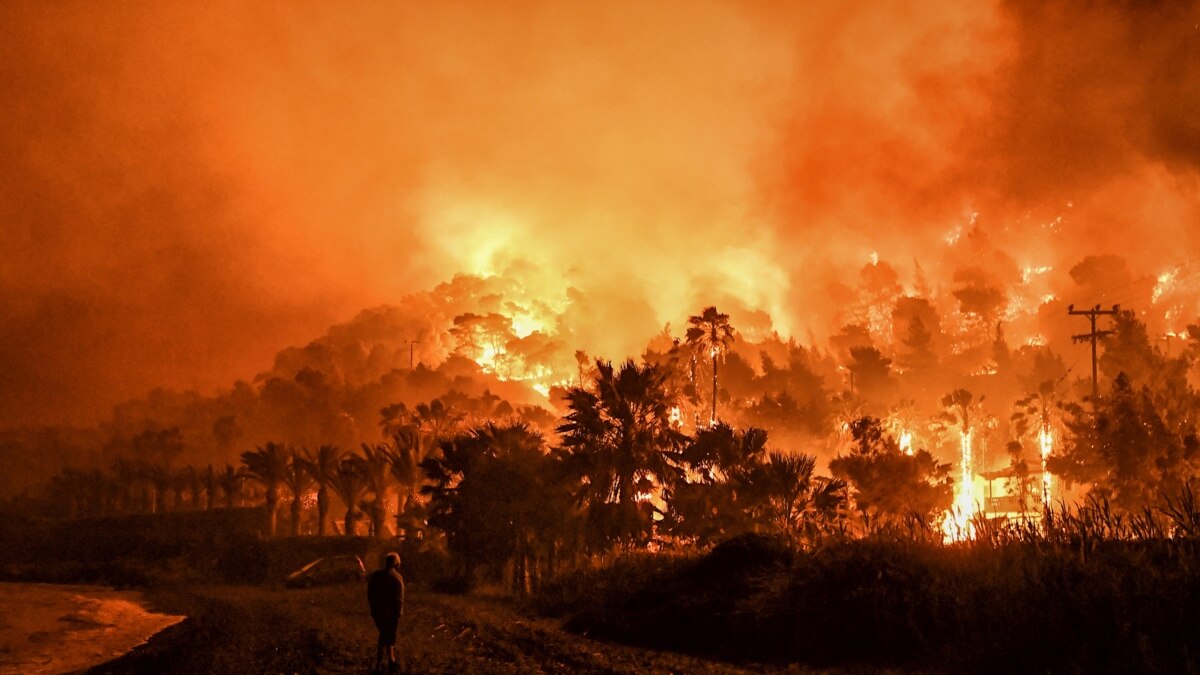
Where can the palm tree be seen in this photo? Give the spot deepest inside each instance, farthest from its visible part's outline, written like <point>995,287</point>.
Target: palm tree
<point>710,331</point>
<point>125,476</point>
<point>375,465</point>
<point>209,480</point>
<point>797,502</point>
<point>298,481</point>
<point>349,484</point>
<point>323,467</point>
<point>1035,411</point>
<point>268,465</point>
<point>186,480</point>
<point>230,482</point>
<point>622,446</point>
<point>409,449</point>
<point>960,411</point>
<point>159,481</point>
<point>499,498</point>
<point>437,419</point>
<point>393,418</point>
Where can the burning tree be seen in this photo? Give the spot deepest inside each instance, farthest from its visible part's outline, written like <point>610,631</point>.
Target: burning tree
<point>961,408</point>
<point>323,467</point>
<point>1128,448</point>
<point>350,486</point>
<point>1035,412</point>
<point>298,482</point>
<point>887,483</point>
<point>709,331</point>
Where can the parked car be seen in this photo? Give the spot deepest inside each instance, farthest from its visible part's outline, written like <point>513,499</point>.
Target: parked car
<point>332,570</point>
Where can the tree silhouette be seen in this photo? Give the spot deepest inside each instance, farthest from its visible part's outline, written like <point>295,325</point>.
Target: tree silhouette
<point>710,331</point>
<point>298,481</point>
<point>268,466</point>
<point>1034,419</point>
<point>497,495</point>
<point>323,466</point>
<point>889,485</point>
<point>230,482</point>
<point>375,465</point>
<point>350,486</point>
<point>209,480</point>
<point>714,502</point>
<point>621,446</point>
<point>1128,448</point>
<point>409,449</point>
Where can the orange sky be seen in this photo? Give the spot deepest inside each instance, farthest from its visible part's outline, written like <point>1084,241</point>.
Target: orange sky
<point>186,188</point>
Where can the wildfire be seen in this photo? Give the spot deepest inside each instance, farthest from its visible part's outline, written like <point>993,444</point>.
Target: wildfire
<point>959,524</point>
<point>676,417</point>
<point>1046,442</point>
<point>1165,283</point>
<point>906,442</point>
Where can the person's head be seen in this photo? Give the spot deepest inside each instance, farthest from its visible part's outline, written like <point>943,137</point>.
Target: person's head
<point>391,560</point>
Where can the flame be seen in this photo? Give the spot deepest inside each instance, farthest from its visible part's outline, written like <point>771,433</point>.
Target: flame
<point>676,417</point>
<point>1165,283</point>
<point>1032,271</point>
<point>959,522</point>
<point>525,325</point>
<point>1046,442</point>
<point>906,442</point>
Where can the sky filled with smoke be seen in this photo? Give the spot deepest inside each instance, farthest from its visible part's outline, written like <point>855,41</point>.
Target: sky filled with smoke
<point>186,189</point>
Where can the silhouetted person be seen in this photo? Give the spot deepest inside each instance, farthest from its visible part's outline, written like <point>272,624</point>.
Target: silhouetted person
<point>385,594</point>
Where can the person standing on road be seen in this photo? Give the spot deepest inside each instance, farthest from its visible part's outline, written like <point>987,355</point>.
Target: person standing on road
<point>385,595</point>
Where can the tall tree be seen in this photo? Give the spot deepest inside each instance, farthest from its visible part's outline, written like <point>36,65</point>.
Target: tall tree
<point>709,331</point>
<point>1128,448</point>
<point>350,486</point>
<point>621,447</point>
<point>268,466</point>
<point>298,481</point>
<point>960,410</point>
<point>498,496</point>
<point>1034,419</point>
<point>230,482</point>
<point>209,480</point>
<point>376,467</point>
<point>323,467</point>
<point>409,449</point>
<point>437,419</point>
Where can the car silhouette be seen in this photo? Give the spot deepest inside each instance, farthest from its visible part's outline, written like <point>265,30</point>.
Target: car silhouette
<point>331,570</point>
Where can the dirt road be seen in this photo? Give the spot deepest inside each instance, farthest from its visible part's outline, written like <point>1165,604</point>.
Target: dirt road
<point>327,630</point>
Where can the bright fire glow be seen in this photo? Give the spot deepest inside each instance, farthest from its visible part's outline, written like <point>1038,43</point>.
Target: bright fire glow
<point>1166,281</point>
<point>906,442</point>
<point>1046,442</point>
<point>959,524</point>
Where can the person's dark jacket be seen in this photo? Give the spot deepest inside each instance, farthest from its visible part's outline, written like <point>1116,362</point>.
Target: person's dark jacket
<point>385,594</point>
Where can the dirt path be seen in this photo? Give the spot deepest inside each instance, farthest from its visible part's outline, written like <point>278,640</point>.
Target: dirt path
<point>326,630</point>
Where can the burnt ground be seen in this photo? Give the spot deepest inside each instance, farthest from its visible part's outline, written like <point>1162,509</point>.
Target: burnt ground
<point>253,629</point>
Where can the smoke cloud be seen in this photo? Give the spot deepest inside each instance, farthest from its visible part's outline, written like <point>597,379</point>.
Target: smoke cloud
<point>187,189</point>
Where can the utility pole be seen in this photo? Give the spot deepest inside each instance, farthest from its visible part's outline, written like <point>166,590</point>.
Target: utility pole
<point>410,353</point>
<point>1093,336</point>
